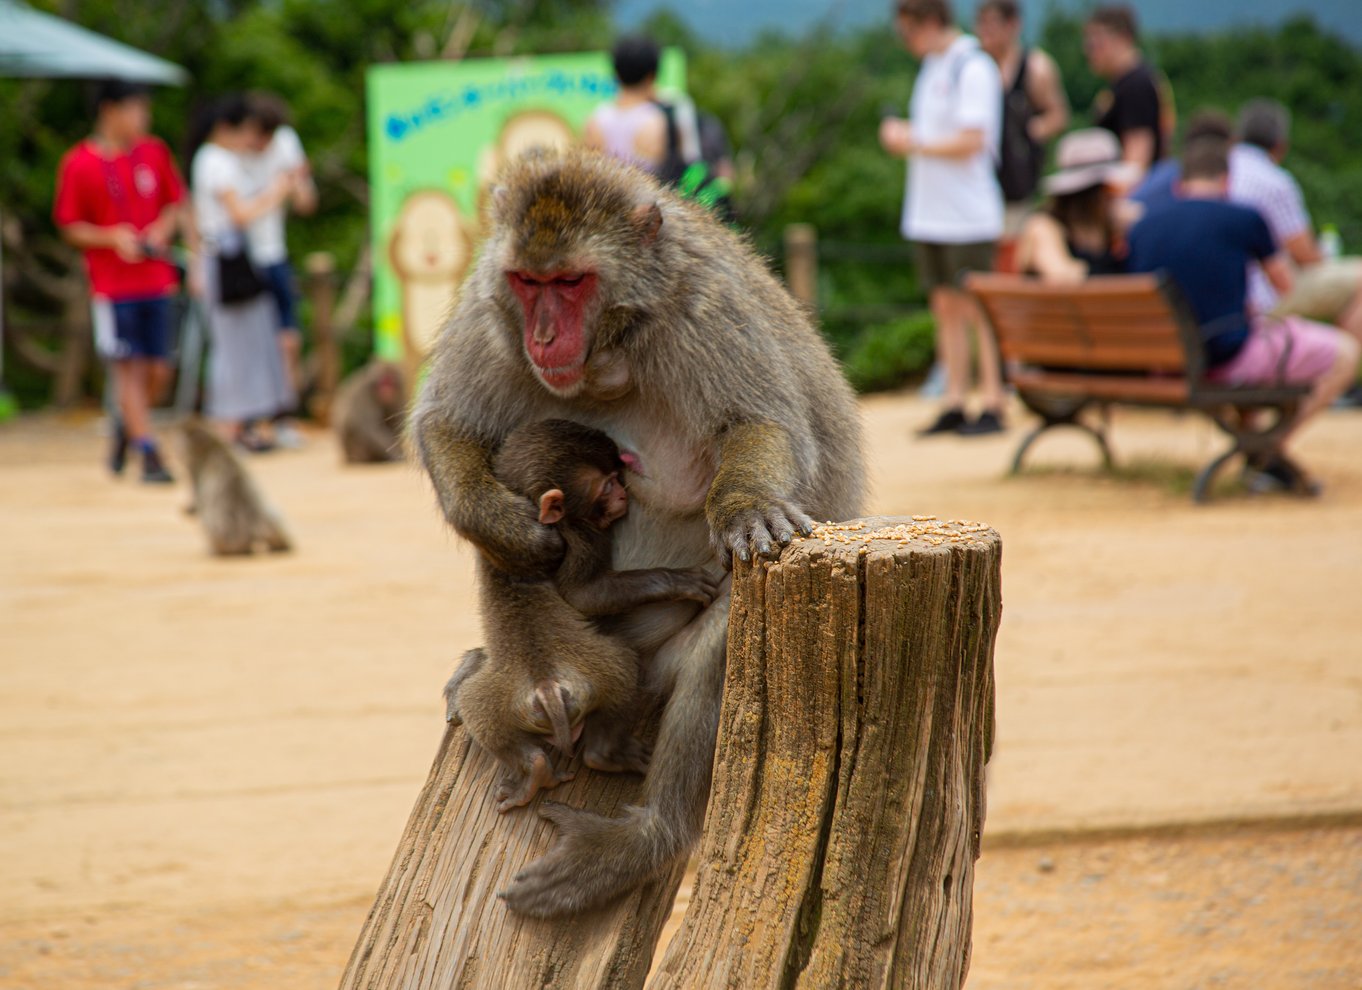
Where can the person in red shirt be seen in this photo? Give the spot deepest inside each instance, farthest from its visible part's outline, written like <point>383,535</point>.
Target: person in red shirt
<point>120,199</point>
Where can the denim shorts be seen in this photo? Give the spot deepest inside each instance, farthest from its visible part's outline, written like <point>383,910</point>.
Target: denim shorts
<point>133,328</point>
<point>278,279</point>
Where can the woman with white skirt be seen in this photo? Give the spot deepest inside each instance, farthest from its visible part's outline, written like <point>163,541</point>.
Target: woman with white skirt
<point>246,376</point>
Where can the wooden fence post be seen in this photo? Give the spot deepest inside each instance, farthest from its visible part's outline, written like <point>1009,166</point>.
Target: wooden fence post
<point>845,815</point>
<point>320,269</point>
<point>801,263</point>
<point>848,794</point>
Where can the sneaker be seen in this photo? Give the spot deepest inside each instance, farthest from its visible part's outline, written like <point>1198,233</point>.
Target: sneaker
<point>949,421</point>
<point>118,451</point>
<point>253,443</point>
<point>1276,474</point>
<point>286,435</point>
<point>153,470</point>
<point>988,421</point>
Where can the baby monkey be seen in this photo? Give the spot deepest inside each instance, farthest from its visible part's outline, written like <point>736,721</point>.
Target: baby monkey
<point>549,674</point>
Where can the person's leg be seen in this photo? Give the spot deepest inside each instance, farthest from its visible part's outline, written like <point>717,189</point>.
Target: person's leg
<point>952,347</point>
<point>1314,343</point>
<point>130,384</point>
<point>990,368</point>
<point>952,343</point>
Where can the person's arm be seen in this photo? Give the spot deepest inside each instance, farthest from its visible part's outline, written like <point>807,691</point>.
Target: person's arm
<point>962,144</point>
<point>1047,95</point>
<point>303,199</point>
<point>594,137</point>
<point>896,136</point>
<point>1303,248</point>
<point>243,212</point>
<point>1278,272</point>
<point>1042,250</point>
<point>1137,148</point>
<point>650,143</point>
<point>121,238</point>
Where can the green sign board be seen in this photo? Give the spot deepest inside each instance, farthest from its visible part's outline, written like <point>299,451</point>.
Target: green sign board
<point>438,133</point>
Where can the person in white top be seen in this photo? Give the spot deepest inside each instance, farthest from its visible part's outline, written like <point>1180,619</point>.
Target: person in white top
<point>953,207</point>
<point>275,150</point>
<point>246,379</point>
<point>632,127</point>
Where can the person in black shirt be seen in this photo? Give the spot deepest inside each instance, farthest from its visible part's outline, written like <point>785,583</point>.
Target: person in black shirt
<point>1137,107</point>
<point>1035,112</point>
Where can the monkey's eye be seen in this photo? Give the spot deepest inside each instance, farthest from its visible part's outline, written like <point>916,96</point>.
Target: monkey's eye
<point>570,279</point>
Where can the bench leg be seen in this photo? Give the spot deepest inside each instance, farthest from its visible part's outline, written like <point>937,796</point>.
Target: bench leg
<point>1251,443</point>
<point>1059,414</point>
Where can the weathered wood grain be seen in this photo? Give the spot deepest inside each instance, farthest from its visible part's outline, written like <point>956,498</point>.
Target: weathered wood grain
<point>437,923</point>
<point>848,794</point>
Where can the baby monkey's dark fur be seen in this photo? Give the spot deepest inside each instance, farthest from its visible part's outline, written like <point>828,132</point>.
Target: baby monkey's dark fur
<point>548,672</point>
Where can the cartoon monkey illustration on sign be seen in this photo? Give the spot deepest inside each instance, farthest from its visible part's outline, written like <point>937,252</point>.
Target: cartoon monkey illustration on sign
<point>430,249</point>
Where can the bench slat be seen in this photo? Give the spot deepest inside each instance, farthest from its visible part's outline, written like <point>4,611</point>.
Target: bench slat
<point>1116,388</point>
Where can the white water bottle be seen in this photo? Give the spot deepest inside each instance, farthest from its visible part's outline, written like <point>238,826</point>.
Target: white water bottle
<point>1330,244</point>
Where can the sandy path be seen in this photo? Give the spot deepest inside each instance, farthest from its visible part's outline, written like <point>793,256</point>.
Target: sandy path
<point>204,765</point>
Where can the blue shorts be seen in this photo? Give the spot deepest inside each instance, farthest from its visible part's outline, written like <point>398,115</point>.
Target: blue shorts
<point>133,328</point>
<point>278,281</point>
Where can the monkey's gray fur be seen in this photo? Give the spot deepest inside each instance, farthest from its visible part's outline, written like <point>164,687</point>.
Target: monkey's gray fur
<point>745,430</point>
<point>234,514</point>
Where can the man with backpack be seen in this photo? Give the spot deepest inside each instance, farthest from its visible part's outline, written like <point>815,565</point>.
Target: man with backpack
<point>1035,112</point>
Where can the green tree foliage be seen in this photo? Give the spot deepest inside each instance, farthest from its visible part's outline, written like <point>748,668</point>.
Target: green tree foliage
<point>802,115</point>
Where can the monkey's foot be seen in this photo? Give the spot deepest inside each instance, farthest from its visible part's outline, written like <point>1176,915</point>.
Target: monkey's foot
<point>517,789</point>
<point>620,754</point>
<point>595,860</point>
<point>758,532</point>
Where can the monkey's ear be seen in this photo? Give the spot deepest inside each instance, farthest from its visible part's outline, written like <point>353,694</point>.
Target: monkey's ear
<point>552,507</point>
<point>647,219</point>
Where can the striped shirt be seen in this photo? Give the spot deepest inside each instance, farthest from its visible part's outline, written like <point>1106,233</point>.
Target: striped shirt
<point>1257,181</point>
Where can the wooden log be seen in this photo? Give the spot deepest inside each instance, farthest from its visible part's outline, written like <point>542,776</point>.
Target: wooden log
<point>848,794</point>
<point>437,923</point>
<point>320,285</point>
<point>801,263</point>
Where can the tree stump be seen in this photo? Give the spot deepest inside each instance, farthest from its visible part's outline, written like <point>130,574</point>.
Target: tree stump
<point>437,923</point>
<point>848,794</point>
<point>844,819</point>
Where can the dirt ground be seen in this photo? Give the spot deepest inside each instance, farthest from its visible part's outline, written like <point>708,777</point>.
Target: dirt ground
<point>205,765</point>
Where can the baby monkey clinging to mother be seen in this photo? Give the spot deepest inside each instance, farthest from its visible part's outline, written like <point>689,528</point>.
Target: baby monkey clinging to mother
<point>550,674</point>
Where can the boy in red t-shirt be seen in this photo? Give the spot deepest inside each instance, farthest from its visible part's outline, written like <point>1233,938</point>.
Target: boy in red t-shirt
<point>119,199</point>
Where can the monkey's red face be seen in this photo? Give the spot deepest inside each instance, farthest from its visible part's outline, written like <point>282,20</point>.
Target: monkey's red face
<point>556,307</point>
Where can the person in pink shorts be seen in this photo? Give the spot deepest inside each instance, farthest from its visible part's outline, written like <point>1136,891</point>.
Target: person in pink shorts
<point>1206,245</point>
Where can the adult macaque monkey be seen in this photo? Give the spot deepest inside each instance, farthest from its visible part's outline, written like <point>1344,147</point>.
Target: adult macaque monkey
<point>741,422</point>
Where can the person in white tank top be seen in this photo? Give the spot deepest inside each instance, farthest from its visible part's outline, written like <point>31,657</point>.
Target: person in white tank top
<point>632,127</point>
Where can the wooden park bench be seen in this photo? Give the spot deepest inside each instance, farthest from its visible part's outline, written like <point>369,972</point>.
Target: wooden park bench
<point>1127,339</point>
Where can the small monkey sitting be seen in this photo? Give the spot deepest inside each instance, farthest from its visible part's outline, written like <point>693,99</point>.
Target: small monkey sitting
<point>549,674</point>
<point>234,514</point>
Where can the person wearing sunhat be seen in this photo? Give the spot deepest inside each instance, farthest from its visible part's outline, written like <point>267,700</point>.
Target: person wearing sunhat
<point>1078,232</point>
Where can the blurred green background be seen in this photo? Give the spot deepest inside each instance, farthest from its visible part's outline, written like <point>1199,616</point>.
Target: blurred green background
<point>801,113</point>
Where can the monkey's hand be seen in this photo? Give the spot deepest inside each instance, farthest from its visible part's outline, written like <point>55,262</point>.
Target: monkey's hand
<point>760,532</point>
<point>614,749</point>
<point>503,525</point>
<point>693,584</point>
<point>595,860</point>
<point>746,507</point>
<point>518,787</point>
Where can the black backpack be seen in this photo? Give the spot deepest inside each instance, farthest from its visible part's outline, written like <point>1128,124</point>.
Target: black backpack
<point>1020,159</point>
<point>696,177</point>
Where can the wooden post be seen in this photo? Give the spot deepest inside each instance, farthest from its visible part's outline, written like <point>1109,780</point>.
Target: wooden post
<point>848,794</point>
<point>320,267</point>
<point>437,923</point>
<point>801,263</point>
<point>845,816</point>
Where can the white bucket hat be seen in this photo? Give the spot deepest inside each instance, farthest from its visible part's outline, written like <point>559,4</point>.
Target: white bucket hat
<point>1087,158</point>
